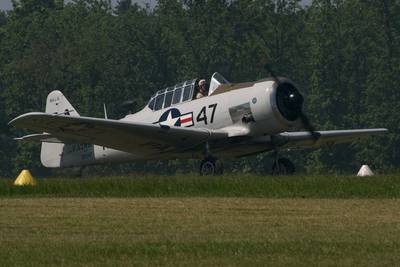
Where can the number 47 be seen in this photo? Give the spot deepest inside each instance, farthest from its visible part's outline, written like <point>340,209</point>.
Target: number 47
<point>202,116</point>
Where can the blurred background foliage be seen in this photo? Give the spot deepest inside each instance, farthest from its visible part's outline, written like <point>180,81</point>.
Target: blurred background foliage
<point>343,54</point>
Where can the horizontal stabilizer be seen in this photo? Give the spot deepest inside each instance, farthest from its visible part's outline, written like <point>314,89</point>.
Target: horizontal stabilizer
<point>44,137</point>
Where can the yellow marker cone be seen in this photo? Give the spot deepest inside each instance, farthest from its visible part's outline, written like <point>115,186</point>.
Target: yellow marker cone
<point>25,178</point>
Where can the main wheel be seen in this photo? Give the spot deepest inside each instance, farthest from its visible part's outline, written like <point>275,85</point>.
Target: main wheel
<point>283,166</point>
<point>210,166</point>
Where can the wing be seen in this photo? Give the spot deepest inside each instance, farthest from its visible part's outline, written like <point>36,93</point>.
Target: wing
<point>305,139</point>
<point>132,137</point>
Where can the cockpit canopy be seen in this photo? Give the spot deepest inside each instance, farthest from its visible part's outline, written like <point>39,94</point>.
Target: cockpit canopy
<point>179,93</point>
<point>182,92</point>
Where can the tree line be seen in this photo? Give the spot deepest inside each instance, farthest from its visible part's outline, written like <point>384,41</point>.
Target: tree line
<point>344,55</point>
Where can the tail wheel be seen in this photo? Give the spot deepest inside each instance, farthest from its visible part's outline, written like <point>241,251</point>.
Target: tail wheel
<point>210,166</point>
<point>283,166</point>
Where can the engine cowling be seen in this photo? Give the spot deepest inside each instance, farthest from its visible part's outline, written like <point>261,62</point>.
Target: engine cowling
<point>281,109</point>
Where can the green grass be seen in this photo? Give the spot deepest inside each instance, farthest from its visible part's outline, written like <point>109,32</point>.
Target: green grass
<point>201,221</point>
<point>199,232</point>
<point>382,186</point>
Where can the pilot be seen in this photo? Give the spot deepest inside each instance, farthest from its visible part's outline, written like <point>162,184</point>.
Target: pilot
<point>202,89</point>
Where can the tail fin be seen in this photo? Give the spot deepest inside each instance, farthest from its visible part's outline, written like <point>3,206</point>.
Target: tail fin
<point>57,103</point>
<point>52,154</point>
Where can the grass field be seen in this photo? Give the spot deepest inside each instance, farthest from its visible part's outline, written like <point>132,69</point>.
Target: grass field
<point>387,186</point>
<point>199,231</point>
<point>197,221</point>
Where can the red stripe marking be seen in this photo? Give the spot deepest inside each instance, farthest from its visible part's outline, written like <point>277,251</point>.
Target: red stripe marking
<point>186,120</point>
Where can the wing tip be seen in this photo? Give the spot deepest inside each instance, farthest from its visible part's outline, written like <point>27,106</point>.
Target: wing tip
<point>381,130</point>
<point>14,122</point>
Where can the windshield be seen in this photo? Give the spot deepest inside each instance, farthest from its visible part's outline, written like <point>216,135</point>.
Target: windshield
<point>216,80</point>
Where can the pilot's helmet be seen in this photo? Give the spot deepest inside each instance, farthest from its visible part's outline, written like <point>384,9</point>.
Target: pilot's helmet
<point>201,82</point>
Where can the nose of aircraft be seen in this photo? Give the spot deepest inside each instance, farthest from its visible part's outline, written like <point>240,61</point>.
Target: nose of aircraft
<point>289,101</point>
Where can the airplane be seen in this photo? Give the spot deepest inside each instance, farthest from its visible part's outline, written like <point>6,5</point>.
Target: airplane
<point>232,120</point>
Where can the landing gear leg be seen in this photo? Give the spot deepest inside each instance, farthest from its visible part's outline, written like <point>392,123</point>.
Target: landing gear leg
<point>282,166</point>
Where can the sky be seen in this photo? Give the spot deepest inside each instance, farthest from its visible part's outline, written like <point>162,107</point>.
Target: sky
<point>6,4</point>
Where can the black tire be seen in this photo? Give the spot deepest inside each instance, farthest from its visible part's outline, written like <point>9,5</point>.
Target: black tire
<point>283,166</point>
<point>211,166</point>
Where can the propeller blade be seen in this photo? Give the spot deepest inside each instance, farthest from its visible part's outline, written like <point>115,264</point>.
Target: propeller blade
<point>308,126</point>
<point>268,68</point>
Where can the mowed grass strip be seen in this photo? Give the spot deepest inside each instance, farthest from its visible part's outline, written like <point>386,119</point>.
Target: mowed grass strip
<point>199,232</point>
<point>381,186</point>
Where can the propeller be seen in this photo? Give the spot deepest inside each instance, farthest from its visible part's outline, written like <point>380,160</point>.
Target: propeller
<point>293,102</point>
